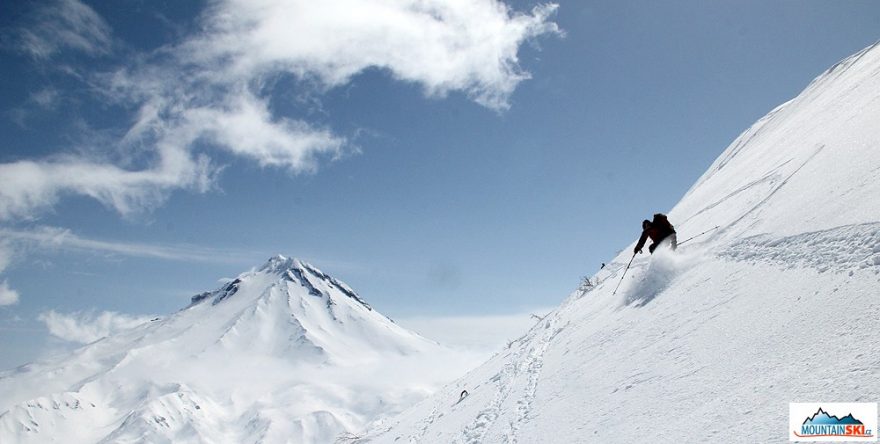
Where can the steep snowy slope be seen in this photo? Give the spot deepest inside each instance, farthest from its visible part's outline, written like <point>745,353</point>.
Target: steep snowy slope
<point>284,353</point>
<point>709,344</point>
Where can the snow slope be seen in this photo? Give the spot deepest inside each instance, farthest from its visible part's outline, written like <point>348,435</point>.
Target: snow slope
<point>284,353</point>
<point>709,344</point>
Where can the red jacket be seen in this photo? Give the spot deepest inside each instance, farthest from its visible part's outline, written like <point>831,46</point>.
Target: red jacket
<point>659,229</point>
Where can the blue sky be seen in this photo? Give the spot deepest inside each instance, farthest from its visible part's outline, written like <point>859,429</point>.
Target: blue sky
<point>444,160</point>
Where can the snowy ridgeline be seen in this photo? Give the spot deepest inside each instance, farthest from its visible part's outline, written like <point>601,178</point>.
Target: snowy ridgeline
<point>709,344</point>
<point>284,353</point>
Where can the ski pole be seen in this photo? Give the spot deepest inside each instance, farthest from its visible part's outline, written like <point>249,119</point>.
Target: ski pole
<point>624,274</point>
<point>690,238</point>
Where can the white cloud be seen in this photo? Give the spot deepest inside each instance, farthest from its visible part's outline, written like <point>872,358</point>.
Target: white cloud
<point>213,90</point>
<point>31,186</point>
<point>63,239</point>
<point>85,327</point>
<point>444,45</point>
<point>8,296</point>
<point>248,129</point>
<point>62,25</point>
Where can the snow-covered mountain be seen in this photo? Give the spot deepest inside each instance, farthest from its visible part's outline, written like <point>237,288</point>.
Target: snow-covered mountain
<point>779,304</point>
<point>284,353</point>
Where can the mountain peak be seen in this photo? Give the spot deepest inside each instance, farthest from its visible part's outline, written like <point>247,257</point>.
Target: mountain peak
<point>280,264</point>
<point>290,269</point>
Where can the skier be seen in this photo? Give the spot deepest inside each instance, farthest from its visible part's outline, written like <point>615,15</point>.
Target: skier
<point>658,230</point>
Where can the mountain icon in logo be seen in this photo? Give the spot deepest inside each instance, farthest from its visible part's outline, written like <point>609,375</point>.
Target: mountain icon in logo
<point>821,417</point>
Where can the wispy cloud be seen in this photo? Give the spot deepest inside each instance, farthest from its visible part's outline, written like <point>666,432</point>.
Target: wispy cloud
<point>31,186</point>
<point>46,98</point>
<point>86,327</point>
<point>63,239</point>
<point>64,25</point>
<point>213,89</point>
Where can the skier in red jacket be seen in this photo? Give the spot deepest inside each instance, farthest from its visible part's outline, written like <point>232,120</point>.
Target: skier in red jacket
<point>658,230</point>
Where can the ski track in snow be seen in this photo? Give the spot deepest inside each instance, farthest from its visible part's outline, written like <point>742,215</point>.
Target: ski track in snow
<point>761,204</point>
<point>769,180</point>
<point>425,424</point>
<point>517,367</point>
<point>533,366</point>
<point>475,432</point>
<point>837,249</point>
